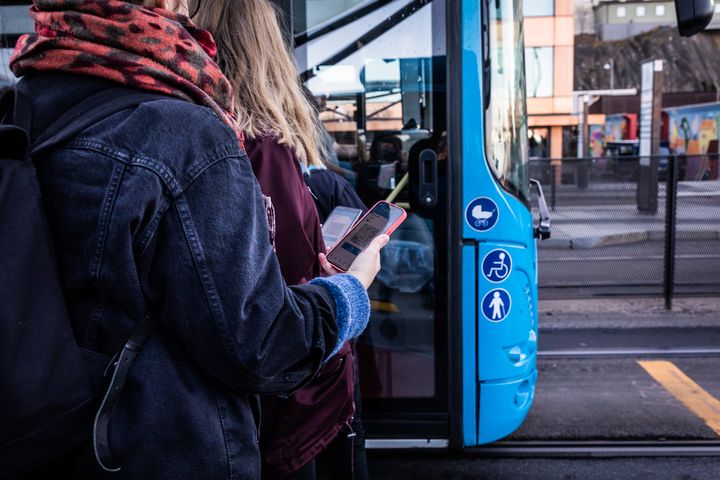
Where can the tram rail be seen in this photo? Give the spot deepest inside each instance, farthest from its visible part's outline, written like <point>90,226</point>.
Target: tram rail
<point>603,448</point>
<point>624,352</point>
<point>554,448</point>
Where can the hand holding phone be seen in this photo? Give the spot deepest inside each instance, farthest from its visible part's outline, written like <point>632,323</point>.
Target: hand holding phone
<point>365,267</point>
<point>382,218</point>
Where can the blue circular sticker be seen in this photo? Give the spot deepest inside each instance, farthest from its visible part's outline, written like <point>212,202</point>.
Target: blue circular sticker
<point>496,305</point>
<point>496,265</point>
<point>482,214</point>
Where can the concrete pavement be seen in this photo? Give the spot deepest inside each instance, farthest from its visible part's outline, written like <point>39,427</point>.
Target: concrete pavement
<point>627,313</point>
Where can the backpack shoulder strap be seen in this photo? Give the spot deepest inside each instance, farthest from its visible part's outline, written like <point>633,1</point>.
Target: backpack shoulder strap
<point>120,366</point>
<point>87,113</point>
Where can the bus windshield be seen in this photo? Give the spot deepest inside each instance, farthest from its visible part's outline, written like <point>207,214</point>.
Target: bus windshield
<point>506,137</point>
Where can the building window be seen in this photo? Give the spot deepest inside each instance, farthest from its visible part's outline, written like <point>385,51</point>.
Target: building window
<point>717,8</point>
<point>640,11</point>
<point>660,10</point>
<point>539,69</point>
<point>539,8</point>
<point>621,12</point>
<point>539,142</point>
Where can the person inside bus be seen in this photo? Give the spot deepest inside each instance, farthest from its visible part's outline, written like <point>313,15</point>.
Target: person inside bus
<point>331,147</point>
<point>155,211</point>
<point>284,137</point>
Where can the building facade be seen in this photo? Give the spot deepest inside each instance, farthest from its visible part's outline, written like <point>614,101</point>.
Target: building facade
<point>620,19</point>
<point>549,54</point>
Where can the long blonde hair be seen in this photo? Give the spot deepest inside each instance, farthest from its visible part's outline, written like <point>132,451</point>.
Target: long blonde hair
<point>260,66</point>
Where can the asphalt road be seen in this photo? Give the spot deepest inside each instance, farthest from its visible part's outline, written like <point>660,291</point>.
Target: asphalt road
<point>429,466</point>
<point>633,268</point>
<point>588,398</point>
<point>574,264</point>
<point>583,399</point>
<point>653,338</point>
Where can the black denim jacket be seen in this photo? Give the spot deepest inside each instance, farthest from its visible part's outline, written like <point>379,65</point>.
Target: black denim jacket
<point>155,210</point>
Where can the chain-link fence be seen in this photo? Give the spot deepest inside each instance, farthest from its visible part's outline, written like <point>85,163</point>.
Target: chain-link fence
<point>610,226</point>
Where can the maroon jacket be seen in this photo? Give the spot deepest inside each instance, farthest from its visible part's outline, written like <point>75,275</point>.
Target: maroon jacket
<point>295,429</point>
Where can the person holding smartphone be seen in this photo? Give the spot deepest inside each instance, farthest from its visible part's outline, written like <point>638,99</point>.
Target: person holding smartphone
<point>284,137</point>
<point>154,211</point>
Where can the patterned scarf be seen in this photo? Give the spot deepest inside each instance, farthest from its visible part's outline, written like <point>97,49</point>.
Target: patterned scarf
<point>145,48</point>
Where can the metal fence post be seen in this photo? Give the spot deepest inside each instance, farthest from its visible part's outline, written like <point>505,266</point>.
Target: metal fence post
<point>670,229</point>
<point>553,168</point>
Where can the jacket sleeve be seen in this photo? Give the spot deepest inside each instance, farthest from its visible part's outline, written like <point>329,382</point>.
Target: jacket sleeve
<point>222,294</point>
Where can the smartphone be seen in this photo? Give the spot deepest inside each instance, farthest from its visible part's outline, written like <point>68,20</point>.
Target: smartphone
<point>338,223</point>
<point>383,217</point>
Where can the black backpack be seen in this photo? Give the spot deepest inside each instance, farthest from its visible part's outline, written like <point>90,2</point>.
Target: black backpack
<point>50,387</point>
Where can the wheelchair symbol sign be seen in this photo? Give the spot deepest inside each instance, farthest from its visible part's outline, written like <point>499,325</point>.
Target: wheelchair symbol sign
<point>482,214</point>
<point>496,265</point>
<point>496,305</point>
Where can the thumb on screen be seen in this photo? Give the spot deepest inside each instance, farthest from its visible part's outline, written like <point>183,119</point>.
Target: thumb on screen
<point>378,243</point>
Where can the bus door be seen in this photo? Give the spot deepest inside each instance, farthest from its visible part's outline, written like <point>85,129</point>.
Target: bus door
<point>378,72</point>
<point>499,256</point>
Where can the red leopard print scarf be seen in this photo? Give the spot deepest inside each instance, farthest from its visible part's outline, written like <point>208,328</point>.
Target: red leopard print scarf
<point>145,48</point>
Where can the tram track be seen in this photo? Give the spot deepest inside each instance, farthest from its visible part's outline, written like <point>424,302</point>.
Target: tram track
<point>629,258</point>
<point>609,448</point>
<point>556,448</point>
<point>630,352</point>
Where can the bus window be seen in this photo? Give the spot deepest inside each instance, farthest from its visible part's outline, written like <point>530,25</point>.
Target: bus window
<point>6,76</point>
<point>14,21</point>
<point>505,119</point>
<point>315,14</point>
<point>380,79</point>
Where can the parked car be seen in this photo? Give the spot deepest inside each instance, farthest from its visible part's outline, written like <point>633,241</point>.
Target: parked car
<point>623,159</point>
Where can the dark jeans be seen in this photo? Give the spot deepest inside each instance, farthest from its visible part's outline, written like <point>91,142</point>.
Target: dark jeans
<point>344,458</point>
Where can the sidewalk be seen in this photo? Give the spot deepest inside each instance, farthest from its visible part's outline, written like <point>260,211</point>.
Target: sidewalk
<point>629,313</point>
<point>606,214</point>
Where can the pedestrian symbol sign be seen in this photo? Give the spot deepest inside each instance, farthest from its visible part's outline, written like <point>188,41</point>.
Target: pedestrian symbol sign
<point>496,265</point>
<point>482,214</point>
<point>496,305</point>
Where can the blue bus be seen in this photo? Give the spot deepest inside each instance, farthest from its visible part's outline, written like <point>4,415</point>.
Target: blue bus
<point>424,104</point>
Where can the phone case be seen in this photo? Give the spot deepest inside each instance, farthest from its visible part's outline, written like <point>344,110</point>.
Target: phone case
<point>355,211</point>
<point>388,232</point>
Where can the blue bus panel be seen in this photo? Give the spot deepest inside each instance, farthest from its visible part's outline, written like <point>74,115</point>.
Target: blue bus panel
<point>500,227</point>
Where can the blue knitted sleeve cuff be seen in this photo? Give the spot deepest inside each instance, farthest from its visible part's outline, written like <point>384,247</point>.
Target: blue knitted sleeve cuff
<point>352,306</point>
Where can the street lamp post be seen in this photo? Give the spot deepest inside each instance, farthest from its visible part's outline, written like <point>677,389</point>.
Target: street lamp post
<point>611,66</point>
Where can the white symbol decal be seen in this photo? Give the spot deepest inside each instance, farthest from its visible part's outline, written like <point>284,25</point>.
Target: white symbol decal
<point>496,305</point>
<point>496,265</point>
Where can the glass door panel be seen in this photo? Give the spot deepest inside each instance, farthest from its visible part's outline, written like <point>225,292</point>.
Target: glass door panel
<point>380,80</point>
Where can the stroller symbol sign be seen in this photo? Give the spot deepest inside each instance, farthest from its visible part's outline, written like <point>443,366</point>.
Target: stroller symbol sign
<point>482,214</point>
<point>496,265</point>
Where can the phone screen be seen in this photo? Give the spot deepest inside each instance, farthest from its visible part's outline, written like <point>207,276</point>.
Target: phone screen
<point>338,223</point>
<point>377,221</point>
